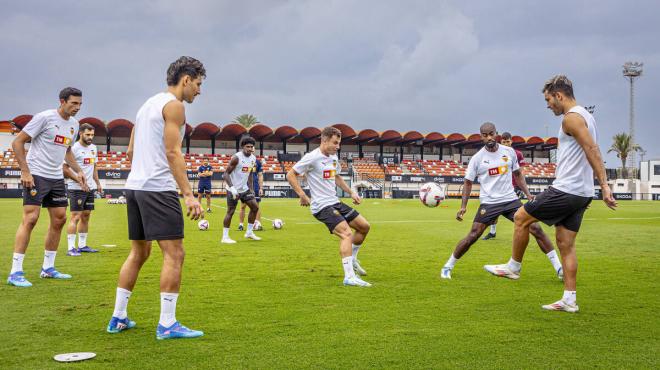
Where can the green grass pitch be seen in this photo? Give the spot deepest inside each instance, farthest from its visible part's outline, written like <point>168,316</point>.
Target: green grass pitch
<point>279,303</point>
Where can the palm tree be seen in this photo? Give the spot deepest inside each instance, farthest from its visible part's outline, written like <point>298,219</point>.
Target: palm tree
<point>622,146</point>
<point>246,120</point>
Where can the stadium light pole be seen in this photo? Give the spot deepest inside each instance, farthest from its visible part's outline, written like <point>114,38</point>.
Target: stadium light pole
<point>631,71</point>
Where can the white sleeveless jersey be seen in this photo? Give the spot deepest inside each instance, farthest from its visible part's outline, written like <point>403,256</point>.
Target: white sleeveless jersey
<point>150,170</point>
<point>574,174</point>
<point>86,159</point>
<point>241,173</point>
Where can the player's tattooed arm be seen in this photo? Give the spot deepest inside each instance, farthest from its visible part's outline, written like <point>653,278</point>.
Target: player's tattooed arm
<point>467,189</point>
<point>522,183</point>
<point>574,125</point>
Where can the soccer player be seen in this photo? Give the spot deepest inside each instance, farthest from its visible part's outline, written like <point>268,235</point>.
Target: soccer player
<point>258,186</point>
<point>494,165</point>
<point>82,202</point>
<point>152,202</point>
<point>51,133</point>
<point>321,168</point>
<point>240,169</point>
<point>507,141</point>
<point>205,173</point>
<point>563,204</point>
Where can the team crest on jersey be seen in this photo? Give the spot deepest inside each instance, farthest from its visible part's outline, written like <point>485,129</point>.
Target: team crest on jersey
<point>505,158</point>
<point>483,211</point>
<point>79,201</point>
<point>335,212</point>
<point>33,192</point>
<point>334,163</point>
<point>72,131</point>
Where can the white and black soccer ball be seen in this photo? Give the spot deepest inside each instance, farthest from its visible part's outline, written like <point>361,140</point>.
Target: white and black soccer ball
<point>203,225</point>
<point>278,224</point>
<point>431,194</point>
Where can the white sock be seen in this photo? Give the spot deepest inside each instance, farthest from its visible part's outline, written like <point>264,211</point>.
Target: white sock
<point>225,232</point>
<point>554,259</point>
<point>71,240</point>
<point>356,249</point>
<point>451,261</point>
<point>514,265</point>
<point>493,228</point>
<point>168,309</point>
<point>82,240</point>
<point>250,228</point>
<point>49,259</point>
<point>17,263</point>
<point>347,262</point>
<point>569,297</point>
<point>121,303</point>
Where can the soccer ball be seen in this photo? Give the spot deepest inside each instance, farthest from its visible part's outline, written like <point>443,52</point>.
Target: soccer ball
<point>277,224</point>
<point>203,225</point>
<point>431,194</point>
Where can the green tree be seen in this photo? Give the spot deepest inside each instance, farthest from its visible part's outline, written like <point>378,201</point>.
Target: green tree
<point>623,146</point>
<point>246,120</point>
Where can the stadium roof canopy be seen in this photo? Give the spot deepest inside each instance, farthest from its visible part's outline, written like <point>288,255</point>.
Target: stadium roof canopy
<point>286,133</point>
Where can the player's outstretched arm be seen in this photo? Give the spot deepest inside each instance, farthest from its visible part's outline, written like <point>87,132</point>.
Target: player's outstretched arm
<point>292,178</point>
<point>574,125</point>
<point>467,189</point>
<point>174,115</point>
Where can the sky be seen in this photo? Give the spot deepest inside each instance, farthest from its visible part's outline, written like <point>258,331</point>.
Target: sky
<point>444,66</point>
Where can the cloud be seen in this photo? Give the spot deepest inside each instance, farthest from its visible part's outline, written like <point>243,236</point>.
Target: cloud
<point>427,65</point>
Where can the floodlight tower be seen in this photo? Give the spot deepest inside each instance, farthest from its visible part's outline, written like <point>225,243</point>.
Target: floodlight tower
<point>632,70</point>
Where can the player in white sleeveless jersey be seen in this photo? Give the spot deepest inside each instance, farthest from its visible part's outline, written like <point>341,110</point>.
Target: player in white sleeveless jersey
<point>152,201</point>
<point>82,202</point>
<point>321,168</point>
<point>240,186</point>
<point>51,134</point>
<point>564,203</point>
<point>494,166</point>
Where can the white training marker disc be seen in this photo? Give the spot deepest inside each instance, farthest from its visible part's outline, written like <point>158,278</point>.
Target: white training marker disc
<point>108,245</point>
<point>73,357</point>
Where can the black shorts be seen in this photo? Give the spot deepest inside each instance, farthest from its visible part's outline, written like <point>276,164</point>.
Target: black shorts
<point>488,213</point>
<point>244,197</point>
<point>154,215</point>
<point>46,192</point>
<point>554,207</point>
<point>204,188</point>
<point>335,214</point>
<point>81,200</point>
